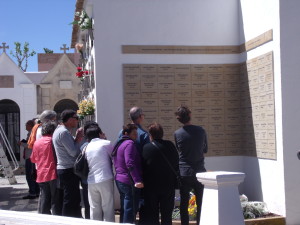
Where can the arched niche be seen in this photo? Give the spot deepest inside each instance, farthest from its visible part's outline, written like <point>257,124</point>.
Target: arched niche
<point>63,104</point>
<point>10,121</point>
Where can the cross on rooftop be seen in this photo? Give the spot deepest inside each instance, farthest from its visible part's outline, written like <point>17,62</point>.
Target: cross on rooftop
<point>4,46</point>
<point>64,48</point>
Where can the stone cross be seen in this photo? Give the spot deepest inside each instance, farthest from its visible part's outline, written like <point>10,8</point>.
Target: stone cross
<point>4,46</point>
<point>64,48</point>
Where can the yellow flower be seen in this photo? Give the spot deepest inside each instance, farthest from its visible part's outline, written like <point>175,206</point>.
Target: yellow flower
<point>86,107</point>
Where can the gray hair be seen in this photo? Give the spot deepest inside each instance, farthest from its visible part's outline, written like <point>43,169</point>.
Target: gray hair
<point>135,112</point>
<point>47,115</point>
<point>48,128</point>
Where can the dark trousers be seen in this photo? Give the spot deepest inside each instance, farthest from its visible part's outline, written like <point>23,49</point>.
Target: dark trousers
<point>33,186</point>
<point>85,199</point>
<point>189,183</point>
<point>48,200</point>
<point>156,202</point>
<point>69,183</point>
<point>129,199</point>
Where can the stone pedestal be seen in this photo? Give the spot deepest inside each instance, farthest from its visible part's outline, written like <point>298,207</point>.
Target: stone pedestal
<point>221,203</point>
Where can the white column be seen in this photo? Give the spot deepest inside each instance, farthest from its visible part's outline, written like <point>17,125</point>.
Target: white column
<point>221,204</point>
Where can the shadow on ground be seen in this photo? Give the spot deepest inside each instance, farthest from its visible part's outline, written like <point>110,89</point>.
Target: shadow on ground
<point>11,199</point>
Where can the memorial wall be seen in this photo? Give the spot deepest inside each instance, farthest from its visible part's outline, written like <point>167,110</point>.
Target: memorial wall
<point>233,102</point>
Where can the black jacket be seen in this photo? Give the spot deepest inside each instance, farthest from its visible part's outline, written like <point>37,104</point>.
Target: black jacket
<point>156,171</point>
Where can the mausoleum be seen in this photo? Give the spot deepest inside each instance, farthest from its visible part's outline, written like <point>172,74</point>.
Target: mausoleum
<point>234,63</point>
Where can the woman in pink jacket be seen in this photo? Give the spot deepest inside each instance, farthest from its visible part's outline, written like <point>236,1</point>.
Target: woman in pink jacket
<point>44,157</point>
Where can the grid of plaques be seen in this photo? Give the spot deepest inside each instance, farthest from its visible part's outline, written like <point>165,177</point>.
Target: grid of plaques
<point>257,107</point>
<point>221,97</point>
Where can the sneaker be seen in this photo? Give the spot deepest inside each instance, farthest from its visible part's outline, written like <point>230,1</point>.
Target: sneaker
<point>29,197</point>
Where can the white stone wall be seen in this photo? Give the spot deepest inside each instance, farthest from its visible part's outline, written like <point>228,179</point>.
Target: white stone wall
<point>265,178</point>
<point>215,22</point>
<point>23,93</point>
<point>290,80</point>
<point>155,22</point>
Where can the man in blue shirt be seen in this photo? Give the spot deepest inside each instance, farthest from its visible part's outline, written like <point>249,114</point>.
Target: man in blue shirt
<point>137,116</point>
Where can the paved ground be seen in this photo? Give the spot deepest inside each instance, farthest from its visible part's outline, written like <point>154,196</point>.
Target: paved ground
<point>11,196</point>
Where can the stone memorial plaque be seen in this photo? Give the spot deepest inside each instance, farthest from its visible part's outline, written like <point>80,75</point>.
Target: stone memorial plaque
<point>148,85</point>
<point>132,77</point>
<point>166,85</point>
<point>215,76</point>
<point>200,110</point>
<point>200,93</point>
<point>149,102</point>
<point>165,77</point>
<point>132,94</point>
<point>182,68</point>
<point>166,111</point>
<point>132,102</point>
<point>166,102</point>
<point>6,81</point>
<point>183,94</point>
<point>65,84</point>
<point>131,68</point>
<point>166,93</point>
<point>200,76</point>
<point>199,85</point>
<point>151,77</point>
<point>182,85</point>
<point>182,76</point>
<point>148,68</point>
<point>149,94</point>
<point>132,85</point>
<point>165,68</point>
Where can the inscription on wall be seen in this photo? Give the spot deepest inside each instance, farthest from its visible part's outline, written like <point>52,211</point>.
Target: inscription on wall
<point>6,81</point>
<point>181,49</point>
<point>233,102</point>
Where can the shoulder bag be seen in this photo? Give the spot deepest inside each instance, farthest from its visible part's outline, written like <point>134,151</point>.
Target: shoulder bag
<point>81,167</point>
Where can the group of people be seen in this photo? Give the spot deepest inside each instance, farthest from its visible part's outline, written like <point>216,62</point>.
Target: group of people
<point>145,168</point>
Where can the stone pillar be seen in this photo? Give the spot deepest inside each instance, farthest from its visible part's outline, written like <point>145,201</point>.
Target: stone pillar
<point>221,204</point>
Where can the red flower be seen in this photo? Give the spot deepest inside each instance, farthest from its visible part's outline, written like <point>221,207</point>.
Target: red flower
<point>79,74</point>
<point>79,69</point>
<point>86,72</point>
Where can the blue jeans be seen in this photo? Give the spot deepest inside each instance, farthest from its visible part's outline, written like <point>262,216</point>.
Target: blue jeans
<point>129,199</point>
<point>34,188</point>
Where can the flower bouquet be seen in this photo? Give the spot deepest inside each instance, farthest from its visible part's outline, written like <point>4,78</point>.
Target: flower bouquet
<point>86,107</point>
<point>192,209</point>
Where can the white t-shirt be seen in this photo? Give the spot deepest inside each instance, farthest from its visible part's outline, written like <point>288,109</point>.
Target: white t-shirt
<point>98,153</point>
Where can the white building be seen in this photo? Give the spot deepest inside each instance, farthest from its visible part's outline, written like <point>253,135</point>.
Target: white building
<point>24,95</point>
<point>142,32</point>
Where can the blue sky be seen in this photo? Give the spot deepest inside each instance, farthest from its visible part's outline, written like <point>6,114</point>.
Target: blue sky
<point>42,23</point>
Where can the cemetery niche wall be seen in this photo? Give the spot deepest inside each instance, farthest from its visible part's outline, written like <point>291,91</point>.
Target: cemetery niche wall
<point>233,102</point>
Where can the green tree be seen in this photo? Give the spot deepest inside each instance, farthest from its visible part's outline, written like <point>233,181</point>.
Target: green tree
<point>22,54</point>
<point>48,51</point>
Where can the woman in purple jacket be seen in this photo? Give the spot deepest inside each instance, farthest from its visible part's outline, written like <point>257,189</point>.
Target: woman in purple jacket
<point>127,162</point>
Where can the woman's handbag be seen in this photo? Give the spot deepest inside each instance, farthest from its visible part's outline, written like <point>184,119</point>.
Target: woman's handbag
<point>81,167</point>
<point>176,173</point>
